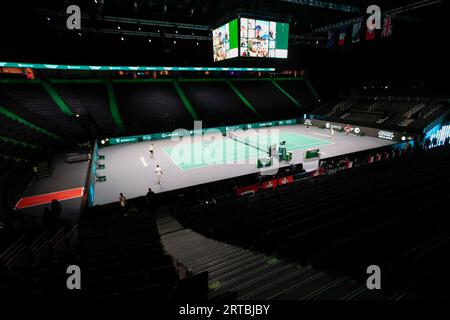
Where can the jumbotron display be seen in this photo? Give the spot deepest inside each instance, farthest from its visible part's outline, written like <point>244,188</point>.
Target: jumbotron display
<point>263,39</point>
<point>248,37</point>
<point>225,41</point>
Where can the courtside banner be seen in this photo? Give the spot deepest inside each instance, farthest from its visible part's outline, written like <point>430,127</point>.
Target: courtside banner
<point>357,130</point>
<point>124,68</point>
<point>179,133</point>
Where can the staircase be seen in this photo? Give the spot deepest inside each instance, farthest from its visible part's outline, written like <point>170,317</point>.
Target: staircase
<point>44,169</point>
<point>252,275</point>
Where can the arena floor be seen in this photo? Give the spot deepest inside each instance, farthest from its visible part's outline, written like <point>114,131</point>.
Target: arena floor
<point>129,168</point>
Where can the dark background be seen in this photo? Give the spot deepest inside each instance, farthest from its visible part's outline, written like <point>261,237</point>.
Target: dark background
<point>418,49</point>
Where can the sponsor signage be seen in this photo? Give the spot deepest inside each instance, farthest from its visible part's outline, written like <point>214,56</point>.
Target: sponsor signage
<point>124,68</point>
<point>178,133</point>
<point>386,135</point>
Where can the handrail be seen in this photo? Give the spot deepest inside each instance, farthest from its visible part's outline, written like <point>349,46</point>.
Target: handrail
<point>12,247</point>
<point>13,252</point>
<point>37,247</point>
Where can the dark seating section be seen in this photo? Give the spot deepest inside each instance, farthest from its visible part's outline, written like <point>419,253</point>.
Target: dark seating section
<point>268,100</point>
<point>15,130</point>
<point>386,213</point>
<point>396,112</point>
<point>89,98</point>
<point>120,257</point>
<point>216,104</point>
<point>14,150</point>
<point>124,255</point>
<point>300,91</point>
<point>151,107</point>
<point>34,104</point>
<point>14,177</point>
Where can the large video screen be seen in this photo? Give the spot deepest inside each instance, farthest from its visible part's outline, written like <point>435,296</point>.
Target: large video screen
<point>263,39</point>
<point>225,41</point>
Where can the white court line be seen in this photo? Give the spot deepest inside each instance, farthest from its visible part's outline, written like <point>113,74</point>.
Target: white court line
<point>309,137</point>
<point>144,163</point>
<point>321,134</point>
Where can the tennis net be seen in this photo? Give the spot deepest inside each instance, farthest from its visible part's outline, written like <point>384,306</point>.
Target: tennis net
<point>250,142</point>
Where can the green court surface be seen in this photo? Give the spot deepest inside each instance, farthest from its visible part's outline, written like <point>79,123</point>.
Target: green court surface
<point>201,151</point>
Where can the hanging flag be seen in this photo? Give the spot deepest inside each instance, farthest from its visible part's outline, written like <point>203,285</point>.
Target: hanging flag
<point>387,27</point>
<point>357,30</point>
<point>370,34</point>
<point>330,42</point>
<point>342,35</point>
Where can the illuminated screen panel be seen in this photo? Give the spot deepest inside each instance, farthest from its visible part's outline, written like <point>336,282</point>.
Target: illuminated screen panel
<point>225,41</point>
<point>263,39</point>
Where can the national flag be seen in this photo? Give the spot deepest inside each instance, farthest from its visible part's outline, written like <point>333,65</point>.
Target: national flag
<point>330,42</point>
<point>271,184</point>
<point>342,35</point>
<point>387,27</point>
<point>370,34</point>
<point>285,180</point>
<point>357,30</point>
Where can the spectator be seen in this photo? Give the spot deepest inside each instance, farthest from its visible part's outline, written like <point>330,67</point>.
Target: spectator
<point>35,173</point>
<point>150,201</point>
<point>122,202</point>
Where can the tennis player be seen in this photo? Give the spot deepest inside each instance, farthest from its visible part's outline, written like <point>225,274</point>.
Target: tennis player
<point>150,149</point>
<point>158,173</point>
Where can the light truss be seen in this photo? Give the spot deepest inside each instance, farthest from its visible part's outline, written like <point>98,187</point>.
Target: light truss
<point>325,5</point>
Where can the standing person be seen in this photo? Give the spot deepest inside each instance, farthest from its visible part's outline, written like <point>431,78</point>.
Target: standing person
<point>347,129</point>
<point>150,149</point>
<point>159,173</point>
<point>35,173</point>
<point>307,129</point>
<point>332,133</point>
<point>122,202</point>
<point>150,201</point>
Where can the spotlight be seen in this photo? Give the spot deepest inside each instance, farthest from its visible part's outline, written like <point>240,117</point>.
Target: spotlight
<point>149,40</point>
<point>118,27</point>
<point>403,138</point>
<point>102,142</point>
<point>197,43</point>
<point>174,42</point>
<point>122,38</point>
<point>77,115</point>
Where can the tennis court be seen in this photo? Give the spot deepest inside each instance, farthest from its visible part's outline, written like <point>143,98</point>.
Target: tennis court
<point>245,149</point>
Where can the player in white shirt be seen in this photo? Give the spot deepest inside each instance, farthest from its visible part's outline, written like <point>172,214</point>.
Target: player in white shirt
<point>332,133</point>
<point>159,173</point>
<point>150,149</point>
